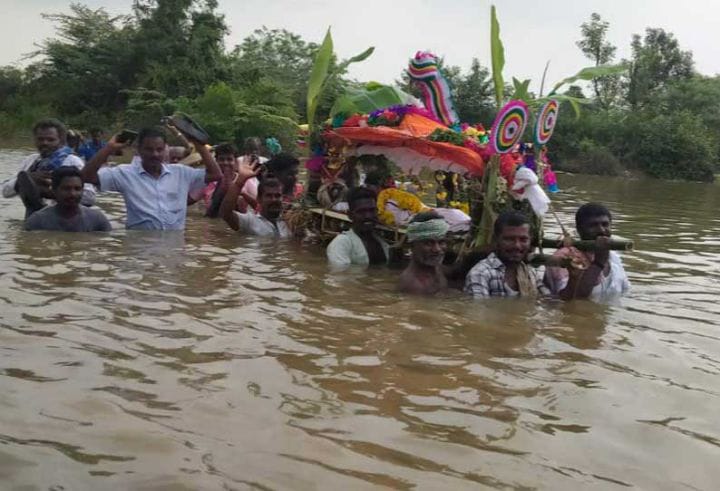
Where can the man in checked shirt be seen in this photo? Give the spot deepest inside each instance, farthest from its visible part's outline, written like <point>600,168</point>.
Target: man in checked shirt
<point>504,273</point>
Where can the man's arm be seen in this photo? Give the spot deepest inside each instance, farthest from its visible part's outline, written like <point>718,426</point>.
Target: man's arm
<point>582,282</point>
<point>8,185</point>
<point>90,171</point>
<point>227,207</point>
<point>212,170</point>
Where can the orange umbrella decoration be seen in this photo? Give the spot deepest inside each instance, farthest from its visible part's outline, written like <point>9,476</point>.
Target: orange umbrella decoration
<point>407,145</point>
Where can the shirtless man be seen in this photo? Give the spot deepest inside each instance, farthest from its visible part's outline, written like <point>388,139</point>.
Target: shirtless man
<point>426,234</point>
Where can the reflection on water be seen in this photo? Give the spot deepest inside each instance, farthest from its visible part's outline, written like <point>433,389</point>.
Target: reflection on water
<point>206,360</point>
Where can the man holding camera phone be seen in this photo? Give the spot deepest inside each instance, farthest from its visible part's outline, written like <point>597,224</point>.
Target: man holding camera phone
<point>155,192</point>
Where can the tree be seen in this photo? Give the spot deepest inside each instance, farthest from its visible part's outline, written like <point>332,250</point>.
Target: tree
<point>287,59</point>
<point>595,46</point>
<point>656,61</point>
<point>474,95</point>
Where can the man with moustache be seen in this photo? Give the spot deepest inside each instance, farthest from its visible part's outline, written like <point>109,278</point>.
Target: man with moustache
<point>155,192</point>
<point>595,274</point>
<point>67,215</point>
<point>268,222</point>
<point>504,273</point>
<point>360,245</point>
<point>424,275</point>
<point>33,182</point>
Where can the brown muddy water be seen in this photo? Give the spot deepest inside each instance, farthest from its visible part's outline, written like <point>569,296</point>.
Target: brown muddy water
<point>206,360</point>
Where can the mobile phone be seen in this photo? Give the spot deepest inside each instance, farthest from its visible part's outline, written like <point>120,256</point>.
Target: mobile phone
<point>126,136</point>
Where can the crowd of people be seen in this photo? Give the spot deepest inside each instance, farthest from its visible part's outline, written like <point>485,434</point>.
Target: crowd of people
<point>58,186</point>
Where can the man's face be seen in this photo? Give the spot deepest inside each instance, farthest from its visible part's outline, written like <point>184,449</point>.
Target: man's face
<point>152,150</point>
<point>176,154</point>
<point>69,192</point>
<point>271,202</point>
<point>594,227</point>
<point>227,164</point>
<point>364,215</point>
<point>47,140</point>
<point>430,252</point>
<point>513,244</point>
<point>288,177</point>
<point>96,135</point>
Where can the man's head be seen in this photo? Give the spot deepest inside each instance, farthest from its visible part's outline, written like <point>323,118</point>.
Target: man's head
<point>96,135</point>
<point>49,135</point>
<point>67,184</point>
<point>511,236</point>
<point>362,204</point>
<point>593,220</point>
<point>226,157</point>
<point>176,154</point>
<point>284,167</point>
<point>426,233</point>
<point>270,198</point>
<point>151,143</point>
<point>252,145</point>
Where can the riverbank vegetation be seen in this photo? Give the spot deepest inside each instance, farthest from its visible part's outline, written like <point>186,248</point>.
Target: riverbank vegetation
<point>660,117</point>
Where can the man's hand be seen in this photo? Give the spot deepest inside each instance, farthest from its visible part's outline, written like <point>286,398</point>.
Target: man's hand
<point>602,250</point>
<point>246,171</point>
<point>115,145</point>
<point>42,179</point>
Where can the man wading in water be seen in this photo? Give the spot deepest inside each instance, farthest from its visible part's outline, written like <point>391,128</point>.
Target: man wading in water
<point>596,275</point>
<point>504,273</point>
<point>67,215</point>
<point>359,245</point>
<point>33,182</point>
<point>155,192</point>
<point>266,223</point>
<point>426,234</point>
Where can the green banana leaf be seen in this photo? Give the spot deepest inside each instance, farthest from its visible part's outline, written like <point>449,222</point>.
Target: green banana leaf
<point>368,99</point>
<point>498,57</point>
<point>319,75</point>
<point>361,57</point>
<point>589,73</point>
<point>521,90</point>
<point>575,102</point>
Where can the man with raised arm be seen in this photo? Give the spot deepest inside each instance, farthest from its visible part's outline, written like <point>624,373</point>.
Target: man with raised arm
<point>155,192</point>
<point>268,222</point>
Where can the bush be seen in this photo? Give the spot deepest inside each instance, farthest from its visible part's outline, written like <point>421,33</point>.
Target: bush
<point>673,146</point>
<point>592,158</point>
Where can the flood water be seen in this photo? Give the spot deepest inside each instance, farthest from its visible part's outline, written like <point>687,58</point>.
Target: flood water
<point>212,361</point>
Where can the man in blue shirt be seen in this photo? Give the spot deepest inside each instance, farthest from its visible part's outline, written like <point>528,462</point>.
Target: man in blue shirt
<point>154,191</point>
<point>92,146</point>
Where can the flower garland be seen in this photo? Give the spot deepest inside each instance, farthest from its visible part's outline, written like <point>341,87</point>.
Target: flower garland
<point>402,199</point>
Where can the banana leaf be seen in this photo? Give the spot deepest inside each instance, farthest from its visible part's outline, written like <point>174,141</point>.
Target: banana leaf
<point>319,75</point>
<point>589,73</point>
<point>497,52</point>
<point>368,99</point>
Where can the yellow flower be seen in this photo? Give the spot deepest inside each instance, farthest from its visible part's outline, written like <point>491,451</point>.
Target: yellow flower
<point>404,201</point>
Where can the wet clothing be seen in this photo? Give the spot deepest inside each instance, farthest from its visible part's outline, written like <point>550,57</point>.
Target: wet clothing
<point>86,220</point>
<point>487,279</point>
<point>615,283</point>
<point>252,223</point>
<point>348,248</point>
<point>153,203</point>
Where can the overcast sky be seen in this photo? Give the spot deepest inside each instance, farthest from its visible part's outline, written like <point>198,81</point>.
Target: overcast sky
<point>533,31</point>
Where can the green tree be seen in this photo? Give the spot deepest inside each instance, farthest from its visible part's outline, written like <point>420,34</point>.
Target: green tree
<point>474,95</point>
<point>657,60</point>
<point>595,46</point>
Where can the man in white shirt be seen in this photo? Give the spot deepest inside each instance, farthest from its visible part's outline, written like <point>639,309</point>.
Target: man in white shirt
<point>597,274</point>
<point>33,182</point>
<point>360,245</point>
<point>155,192</point>
<point>268,222</point>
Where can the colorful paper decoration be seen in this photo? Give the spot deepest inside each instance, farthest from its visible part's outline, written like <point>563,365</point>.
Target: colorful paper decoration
<point>509,126</point>
<point>546,121</point>
<point>424,70</point>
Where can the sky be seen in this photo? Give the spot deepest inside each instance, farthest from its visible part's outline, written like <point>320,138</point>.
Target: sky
<point>533,31</point>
